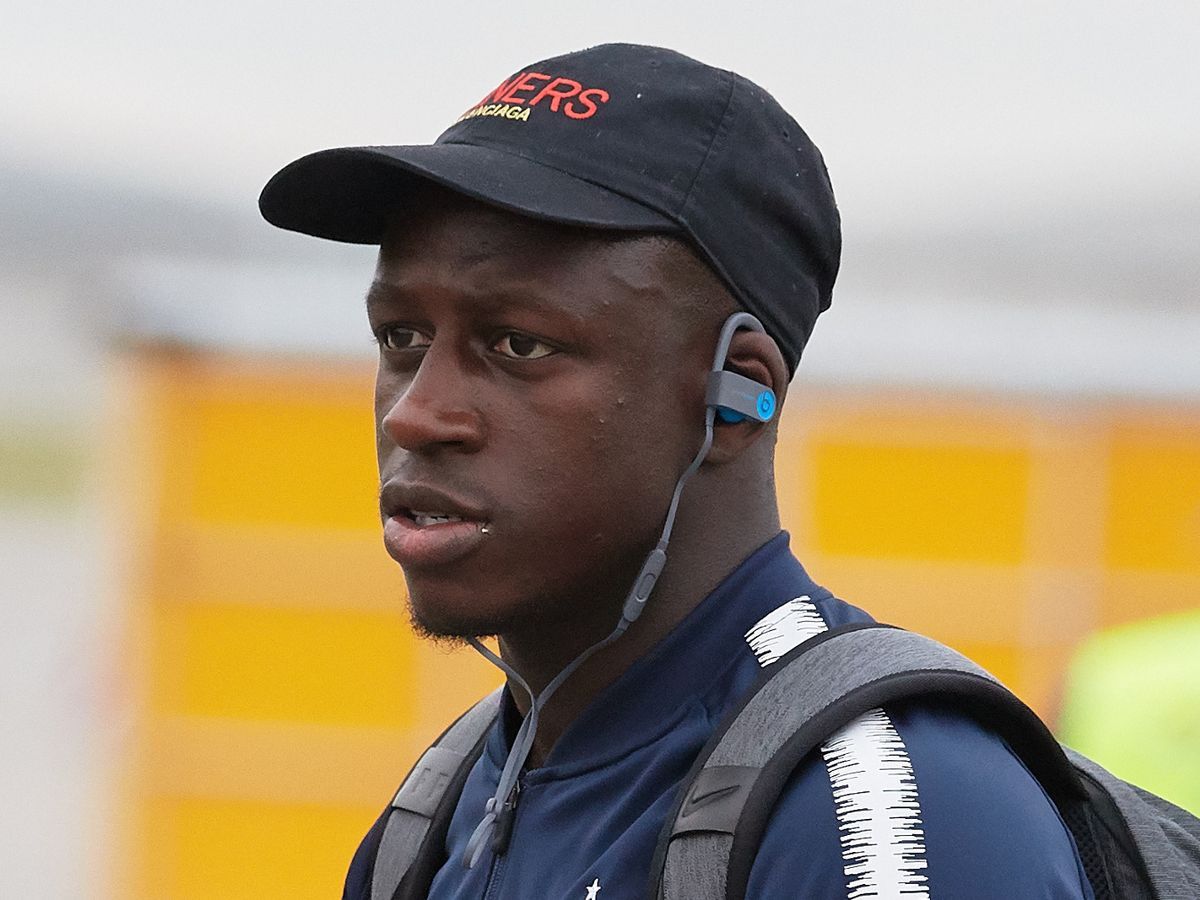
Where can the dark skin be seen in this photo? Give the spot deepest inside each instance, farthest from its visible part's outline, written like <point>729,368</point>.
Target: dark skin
<point>550,380</point>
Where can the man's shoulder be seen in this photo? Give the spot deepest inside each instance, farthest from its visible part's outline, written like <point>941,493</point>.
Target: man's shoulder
<point>915,800</point>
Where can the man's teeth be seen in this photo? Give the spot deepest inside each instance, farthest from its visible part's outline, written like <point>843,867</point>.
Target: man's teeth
<point>427,518</point>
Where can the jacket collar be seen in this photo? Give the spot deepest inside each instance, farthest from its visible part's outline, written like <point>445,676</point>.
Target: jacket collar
<point>689,666</point>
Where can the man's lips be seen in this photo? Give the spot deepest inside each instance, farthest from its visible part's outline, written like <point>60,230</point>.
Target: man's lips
<point>422,546</point>
<point>424,526</point>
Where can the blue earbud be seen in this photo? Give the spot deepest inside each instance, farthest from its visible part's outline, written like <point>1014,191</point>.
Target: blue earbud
<point>735,397</point>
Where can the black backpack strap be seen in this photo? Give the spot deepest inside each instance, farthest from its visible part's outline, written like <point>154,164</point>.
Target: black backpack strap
<point>709,842</point>
<point>410,851</point>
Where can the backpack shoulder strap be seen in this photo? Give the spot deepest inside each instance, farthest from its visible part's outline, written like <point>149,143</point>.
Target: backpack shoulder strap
<point>410,850</point>
<point>709,841</point>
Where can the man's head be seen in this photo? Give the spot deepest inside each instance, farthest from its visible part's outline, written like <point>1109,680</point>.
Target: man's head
<point>553,275</point>
<point>546,384</point>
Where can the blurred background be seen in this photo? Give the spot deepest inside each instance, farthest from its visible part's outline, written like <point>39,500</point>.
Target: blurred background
<point>209,688</point>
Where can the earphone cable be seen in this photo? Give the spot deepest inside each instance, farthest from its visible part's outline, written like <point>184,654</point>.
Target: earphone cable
<point>502,803</point>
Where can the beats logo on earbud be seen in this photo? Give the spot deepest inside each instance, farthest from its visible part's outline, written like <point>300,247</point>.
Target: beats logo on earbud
<point>766,405</point>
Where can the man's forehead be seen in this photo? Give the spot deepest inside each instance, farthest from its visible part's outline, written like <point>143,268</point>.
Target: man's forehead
<point>469,234</point>
<point>470,225</point>
<point>441,234</point>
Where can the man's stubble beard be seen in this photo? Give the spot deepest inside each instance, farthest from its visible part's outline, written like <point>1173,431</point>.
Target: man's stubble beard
<point>543,614</point>
<point>448,641</point>
<point>539,616</point>
<point>453,634</point>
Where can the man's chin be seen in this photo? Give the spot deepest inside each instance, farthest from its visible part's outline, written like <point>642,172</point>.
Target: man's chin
<point>452,633</point>
<point>437,623</point>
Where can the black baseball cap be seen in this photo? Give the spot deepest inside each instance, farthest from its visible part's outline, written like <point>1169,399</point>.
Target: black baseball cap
<point>623,137</point>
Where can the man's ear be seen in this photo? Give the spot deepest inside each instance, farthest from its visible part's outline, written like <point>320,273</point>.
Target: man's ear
<point>756,356</point>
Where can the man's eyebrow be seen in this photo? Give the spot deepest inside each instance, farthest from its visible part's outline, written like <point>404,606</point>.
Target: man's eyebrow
<point>380,292</point>
<point>528,295</point>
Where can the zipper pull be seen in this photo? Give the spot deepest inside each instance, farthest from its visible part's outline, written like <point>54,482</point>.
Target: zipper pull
<point>504,821</point>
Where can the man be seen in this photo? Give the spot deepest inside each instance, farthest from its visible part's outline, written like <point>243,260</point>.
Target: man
<point>554,274</point>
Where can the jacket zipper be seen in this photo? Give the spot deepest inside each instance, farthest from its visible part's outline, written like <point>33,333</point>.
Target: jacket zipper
<point>501,837</point>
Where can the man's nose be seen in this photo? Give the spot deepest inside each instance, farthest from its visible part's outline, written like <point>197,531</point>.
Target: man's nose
<point>437,407</point>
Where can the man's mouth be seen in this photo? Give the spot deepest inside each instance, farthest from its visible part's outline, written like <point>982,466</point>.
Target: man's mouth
<point>421,540</point>
<point>425,505</point>
<point>426,528</point>
<point>425,519</point>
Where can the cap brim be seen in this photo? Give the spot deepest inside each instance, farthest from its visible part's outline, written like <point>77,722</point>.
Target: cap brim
<point>349,193</point>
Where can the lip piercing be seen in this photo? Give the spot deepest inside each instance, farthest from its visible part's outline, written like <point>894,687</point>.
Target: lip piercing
<point>483,529</point>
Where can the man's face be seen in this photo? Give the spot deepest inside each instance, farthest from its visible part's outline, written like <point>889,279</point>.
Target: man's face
<point>538,394</point>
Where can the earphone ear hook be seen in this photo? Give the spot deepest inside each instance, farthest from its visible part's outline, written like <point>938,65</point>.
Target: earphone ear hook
<point>734,397</point>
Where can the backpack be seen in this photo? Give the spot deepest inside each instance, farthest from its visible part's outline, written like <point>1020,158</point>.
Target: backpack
<point>1133,844</point>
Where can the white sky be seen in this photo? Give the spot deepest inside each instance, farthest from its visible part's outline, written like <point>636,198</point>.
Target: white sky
<point>1017,156</point>
<point>926,111</point>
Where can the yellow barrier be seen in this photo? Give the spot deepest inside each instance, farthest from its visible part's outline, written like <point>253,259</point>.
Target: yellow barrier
<point>281,695</point>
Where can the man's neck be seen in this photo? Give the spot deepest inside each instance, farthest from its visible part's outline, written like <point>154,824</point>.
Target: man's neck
<point>699,559</point>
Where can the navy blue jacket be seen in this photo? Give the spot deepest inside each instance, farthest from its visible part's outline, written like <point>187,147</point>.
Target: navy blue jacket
<point>909,801</point>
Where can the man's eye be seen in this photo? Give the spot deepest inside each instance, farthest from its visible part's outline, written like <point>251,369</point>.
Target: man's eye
<point>521,346</point>
<point>397,337</point>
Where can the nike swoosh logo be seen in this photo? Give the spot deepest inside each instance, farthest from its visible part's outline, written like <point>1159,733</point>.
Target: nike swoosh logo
<point>695,801</point>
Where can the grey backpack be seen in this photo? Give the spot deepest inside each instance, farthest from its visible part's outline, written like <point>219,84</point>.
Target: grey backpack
<point>1133,844</point>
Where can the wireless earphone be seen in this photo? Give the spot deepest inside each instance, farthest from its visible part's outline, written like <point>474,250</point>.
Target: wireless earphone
<point>735,397</point>
<point>732,398</point>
